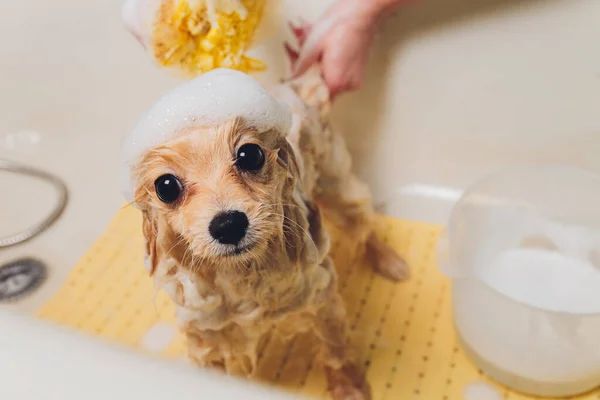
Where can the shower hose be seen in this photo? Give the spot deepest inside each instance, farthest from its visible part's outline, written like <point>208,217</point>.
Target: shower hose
<point>63,195</point>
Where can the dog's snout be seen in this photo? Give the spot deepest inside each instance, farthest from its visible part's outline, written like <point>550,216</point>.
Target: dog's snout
<point>229,227</point>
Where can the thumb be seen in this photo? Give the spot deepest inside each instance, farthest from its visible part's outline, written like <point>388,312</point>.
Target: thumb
<point>308,56</point>
<point>312,46</point>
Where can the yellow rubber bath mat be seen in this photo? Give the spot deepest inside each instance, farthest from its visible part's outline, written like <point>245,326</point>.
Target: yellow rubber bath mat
<point>404,330</point>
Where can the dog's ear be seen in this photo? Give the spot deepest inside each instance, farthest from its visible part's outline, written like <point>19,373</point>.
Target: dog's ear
<point>303,231</point>
<point>150,230</point>
<point>304,235</point>
<point>316,229</point>
<point>286,158</point>
<point>295,223</point>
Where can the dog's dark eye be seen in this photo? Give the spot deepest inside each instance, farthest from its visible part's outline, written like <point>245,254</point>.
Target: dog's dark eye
<point>250,157</point>
<point>168,188</point>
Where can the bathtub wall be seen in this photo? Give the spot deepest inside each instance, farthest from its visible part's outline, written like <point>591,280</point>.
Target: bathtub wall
<point>459,88</point>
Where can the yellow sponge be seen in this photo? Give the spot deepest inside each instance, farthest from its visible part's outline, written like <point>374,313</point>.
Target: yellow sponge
<point>196,36</point>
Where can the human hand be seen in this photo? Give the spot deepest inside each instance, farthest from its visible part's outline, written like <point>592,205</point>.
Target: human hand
<point>340,42</point>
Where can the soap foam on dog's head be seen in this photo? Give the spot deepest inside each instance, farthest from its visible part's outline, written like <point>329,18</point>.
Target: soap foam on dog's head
<point>211,99</point>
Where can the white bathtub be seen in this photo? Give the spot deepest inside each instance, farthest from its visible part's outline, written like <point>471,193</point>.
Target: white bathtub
<point>456,89</point>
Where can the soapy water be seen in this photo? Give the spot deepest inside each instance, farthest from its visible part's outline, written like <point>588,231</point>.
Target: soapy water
<point>545,279</point>
<point>214,98</point>
<point>543,263</point>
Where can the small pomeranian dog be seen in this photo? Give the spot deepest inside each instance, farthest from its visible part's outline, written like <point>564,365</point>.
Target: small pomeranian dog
<point>231,179</point>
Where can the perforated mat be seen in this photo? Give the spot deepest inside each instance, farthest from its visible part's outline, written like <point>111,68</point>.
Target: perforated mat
<point>403,330</point>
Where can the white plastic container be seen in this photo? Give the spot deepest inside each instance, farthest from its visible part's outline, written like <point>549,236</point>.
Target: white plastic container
<point>523,250</point>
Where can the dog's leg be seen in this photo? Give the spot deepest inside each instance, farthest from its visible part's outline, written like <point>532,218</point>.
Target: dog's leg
<point>346,378</point>
<point>345,199</point>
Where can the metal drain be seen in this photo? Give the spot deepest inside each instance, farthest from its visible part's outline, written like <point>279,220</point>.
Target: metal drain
<point>21,278</point>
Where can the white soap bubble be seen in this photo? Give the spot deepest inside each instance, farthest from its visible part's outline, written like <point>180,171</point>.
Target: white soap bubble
<point>216,97</point>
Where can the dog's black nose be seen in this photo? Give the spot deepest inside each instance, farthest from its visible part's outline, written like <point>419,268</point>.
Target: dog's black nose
<point>229,227</point>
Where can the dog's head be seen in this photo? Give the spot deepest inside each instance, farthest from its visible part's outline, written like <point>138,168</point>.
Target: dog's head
<point>220,196</point>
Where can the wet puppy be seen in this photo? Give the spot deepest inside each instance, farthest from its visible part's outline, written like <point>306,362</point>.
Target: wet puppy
<point>231,199</point>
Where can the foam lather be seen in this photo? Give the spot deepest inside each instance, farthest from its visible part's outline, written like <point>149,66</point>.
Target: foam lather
<point>211,99</point>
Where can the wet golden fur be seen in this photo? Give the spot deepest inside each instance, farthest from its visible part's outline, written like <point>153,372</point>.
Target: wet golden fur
<point>286,283</point>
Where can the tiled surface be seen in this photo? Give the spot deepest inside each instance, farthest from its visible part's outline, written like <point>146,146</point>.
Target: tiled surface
<point>404,331</point>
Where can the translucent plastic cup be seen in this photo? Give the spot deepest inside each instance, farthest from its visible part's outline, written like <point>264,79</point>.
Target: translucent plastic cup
<point>522,248</point>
